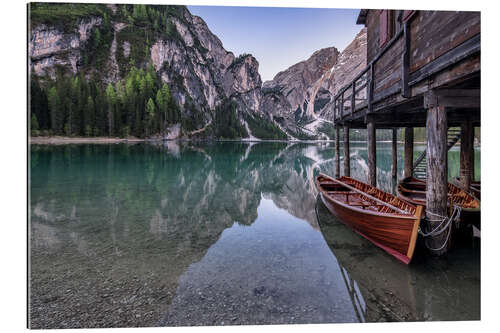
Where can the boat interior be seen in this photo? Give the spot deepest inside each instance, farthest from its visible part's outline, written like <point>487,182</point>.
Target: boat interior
<point>356,199</point>
<point>416,190</point>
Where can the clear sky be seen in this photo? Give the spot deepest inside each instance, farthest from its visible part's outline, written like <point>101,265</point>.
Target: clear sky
<point>279,37</point>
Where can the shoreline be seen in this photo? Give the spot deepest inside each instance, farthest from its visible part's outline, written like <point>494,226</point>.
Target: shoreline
<point>62,140</point>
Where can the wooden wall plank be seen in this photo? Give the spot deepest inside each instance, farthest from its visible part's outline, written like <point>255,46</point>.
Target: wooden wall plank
<point>434,33</point>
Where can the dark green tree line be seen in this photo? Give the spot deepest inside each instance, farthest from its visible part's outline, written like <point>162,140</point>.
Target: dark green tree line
<point>139,105</point>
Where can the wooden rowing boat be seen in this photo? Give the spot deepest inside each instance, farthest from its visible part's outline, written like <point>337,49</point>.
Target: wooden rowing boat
<point>413,191</point>
<point>385,220</point>
<point>475,187</point>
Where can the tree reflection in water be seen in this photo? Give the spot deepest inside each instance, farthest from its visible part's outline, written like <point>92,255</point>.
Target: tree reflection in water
<point>146,225</point>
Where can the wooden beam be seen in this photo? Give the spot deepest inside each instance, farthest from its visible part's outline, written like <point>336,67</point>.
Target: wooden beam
<point>466,154</point>
<point>437,175</point>
<point>460,98</point>
<point>408,161</point>
<point>458,92</point>
<point>372,152</point>
<point>347,159</point>
<point>394,153</point>
<point>337,151</point>
<point>417,118</point>
<point>464,50</point>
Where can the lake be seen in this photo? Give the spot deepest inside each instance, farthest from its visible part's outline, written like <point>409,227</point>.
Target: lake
<point>223,233</point>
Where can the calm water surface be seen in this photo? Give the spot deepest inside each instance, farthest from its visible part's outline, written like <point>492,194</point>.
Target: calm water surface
<point>221,234</point>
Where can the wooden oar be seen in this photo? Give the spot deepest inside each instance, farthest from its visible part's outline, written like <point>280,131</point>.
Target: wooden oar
<point>367,195</point>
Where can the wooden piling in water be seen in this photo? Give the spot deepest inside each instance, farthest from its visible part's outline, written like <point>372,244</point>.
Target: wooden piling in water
<point>437,175</point>
<point>347,159</point>
<point>408,161</point>
<point>394,153</point>
<point>466,153</point>
<point>372,152</point>
<point>337,152</point>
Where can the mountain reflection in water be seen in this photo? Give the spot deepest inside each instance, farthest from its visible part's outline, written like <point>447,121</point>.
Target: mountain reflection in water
<point>211,234</point>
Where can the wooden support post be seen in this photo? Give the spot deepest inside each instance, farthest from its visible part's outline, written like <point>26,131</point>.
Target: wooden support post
<point>342,106</point>
<point>336,110</point>
<point>473,171</point>
<point>394,153</point>
<point>466,153</point>
<point>408,165</point>
<point>337,152</point>
<point>437,174</point>
<point>353,97</point>
<point>369,96</point>
<point>372,152</point>
<point>347,160</point>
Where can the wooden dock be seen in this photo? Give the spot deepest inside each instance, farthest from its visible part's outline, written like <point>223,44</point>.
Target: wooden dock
<point>423,70</point>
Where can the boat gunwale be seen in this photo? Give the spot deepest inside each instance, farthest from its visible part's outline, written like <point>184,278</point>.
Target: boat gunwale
<point>408,216</point>
<point>414,201</point>
<point>474,185</point>
<point>404,257</point>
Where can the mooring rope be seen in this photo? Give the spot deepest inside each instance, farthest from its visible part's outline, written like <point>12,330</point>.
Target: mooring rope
<point>447,221</point>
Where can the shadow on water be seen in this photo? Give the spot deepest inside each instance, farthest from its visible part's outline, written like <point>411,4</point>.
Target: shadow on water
<point>428,289</point>
<point>212,233</point>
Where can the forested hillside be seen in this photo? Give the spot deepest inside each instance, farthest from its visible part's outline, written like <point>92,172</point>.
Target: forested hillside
<point>140,70</point>
<point>84,104</point>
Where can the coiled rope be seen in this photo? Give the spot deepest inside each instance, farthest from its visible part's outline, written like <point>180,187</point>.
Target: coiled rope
<point>444,225</point>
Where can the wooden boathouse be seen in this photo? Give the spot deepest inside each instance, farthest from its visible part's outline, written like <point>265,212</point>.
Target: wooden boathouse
<point>423,70</point>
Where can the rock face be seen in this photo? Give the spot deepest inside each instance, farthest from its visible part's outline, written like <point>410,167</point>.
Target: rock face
<point>351,62</point>
<point>296,82</point>
<point>202,75</point>
<point>301,97</point>
<point>50,46</point>
<point>208,72</point>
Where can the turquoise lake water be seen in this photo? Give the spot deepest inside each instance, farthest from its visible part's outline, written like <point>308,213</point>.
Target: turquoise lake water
<point>223,233</point>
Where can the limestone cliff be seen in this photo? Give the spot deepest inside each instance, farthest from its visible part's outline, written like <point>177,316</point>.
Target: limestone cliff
<point>301,97</point>
<point>201,74</point>
<point>104,42</point>
<point>50,46</point>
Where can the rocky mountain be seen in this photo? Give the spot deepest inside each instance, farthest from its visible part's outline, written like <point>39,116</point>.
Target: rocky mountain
<point>104,42</point>
<point>216,93</point>
<point>301,97</point>
<point>287,96</point>
<point>350,63</point>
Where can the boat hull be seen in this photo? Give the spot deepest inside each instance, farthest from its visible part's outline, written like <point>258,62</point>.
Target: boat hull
<point>475,187</point>
<point>396,234</point>
<point>416,195</point>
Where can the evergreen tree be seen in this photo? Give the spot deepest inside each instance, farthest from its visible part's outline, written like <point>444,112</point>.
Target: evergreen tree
<point>53,100</point>
<point>89,117</point>
<point>163,102</point>
<point>39,104</point>
<point>34,125</point>
<point>111,101</point>
<point>97,38</point>
<point>150,115</point>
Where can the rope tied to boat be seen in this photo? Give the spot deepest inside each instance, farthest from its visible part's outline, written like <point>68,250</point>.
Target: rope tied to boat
<point>444,225</point>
